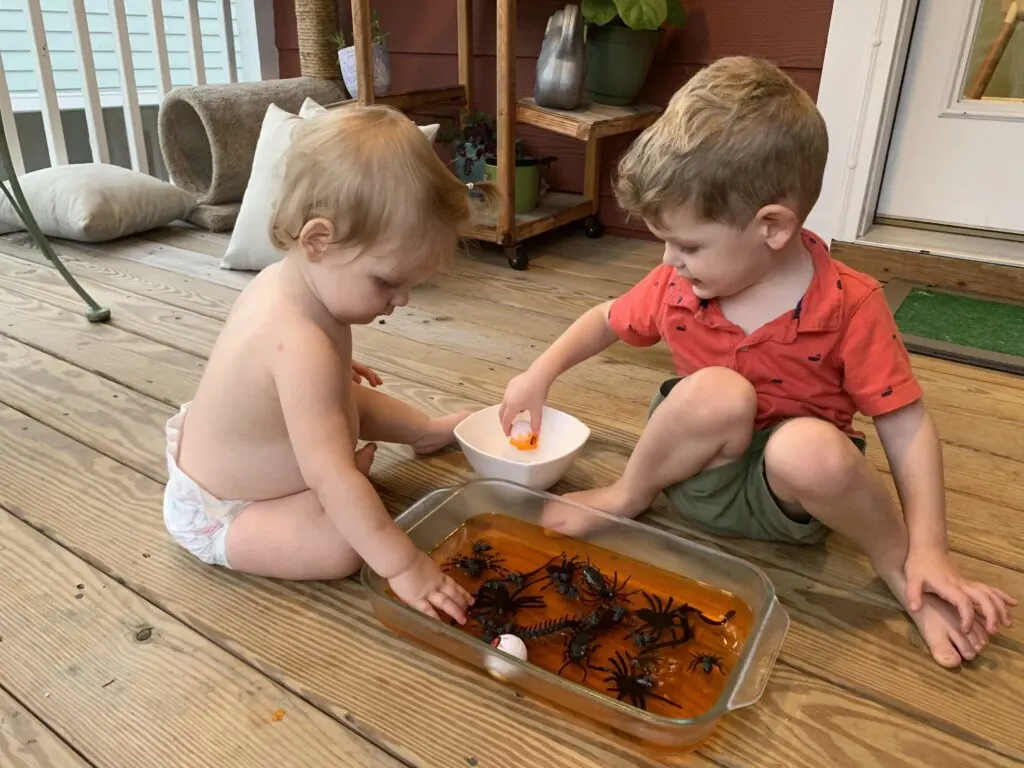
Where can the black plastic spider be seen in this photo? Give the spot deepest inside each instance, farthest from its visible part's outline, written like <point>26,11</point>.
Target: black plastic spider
<point>626,683</point>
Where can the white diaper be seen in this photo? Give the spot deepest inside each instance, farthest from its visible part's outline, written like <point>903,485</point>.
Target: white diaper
<point>194,518</point>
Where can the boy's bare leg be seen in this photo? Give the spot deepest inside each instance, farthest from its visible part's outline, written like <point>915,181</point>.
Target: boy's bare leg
<point>386,419</point>
<point>707,420</point>
<point>292,537</point>
<point>814,469</point>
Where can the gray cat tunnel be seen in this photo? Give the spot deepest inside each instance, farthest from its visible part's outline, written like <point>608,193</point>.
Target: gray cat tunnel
<point>208,133</point>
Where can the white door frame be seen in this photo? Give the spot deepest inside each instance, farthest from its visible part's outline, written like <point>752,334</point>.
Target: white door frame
<point>865,56</point>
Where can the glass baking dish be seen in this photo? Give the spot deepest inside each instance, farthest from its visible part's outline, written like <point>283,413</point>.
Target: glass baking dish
<point>434,517</point>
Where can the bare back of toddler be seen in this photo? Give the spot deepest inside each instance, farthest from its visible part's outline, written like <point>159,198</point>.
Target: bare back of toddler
<point>265,473</point>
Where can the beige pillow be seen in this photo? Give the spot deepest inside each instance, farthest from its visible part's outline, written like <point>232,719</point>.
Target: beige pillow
<point>250,247</point>
<point>94,202</point>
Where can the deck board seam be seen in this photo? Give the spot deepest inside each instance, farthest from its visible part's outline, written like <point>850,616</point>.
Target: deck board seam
<point>919,715</point>
<point>35,715</point>
<point>100,374</point>
<point>101,567</point>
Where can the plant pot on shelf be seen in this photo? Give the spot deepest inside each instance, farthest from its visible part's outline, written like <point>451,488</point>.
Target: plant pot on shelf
<point>470,165</point>
<point>618,60</point>
<point>381,70</point>
<point>527,180</point>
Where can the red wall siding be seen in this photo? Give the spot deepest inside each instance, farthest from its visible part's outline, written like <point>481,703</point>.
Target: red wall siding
<point>423,44</point>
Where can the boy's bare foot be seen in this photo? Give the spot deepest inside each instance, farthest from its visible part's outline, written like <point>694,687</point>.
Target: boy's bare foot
<point>613,499</point>
<point>438,433</point>
<point>939,625</point>
<point>364,458</point>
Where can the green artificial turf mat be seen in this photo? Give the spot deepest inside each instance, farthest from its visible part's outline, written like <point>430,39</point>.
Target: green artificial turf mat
<point>969,322</point>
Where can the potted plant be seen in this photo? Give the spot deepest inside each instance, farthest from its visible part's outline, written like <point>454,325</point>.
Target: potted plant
<point>380,58</point>
<point>528,181</point>
<point>622,36</point>
<point>472,145</point>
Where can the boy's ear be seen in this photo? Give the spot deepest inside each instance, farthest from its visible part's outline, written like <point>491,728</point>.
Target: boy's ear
<point>315,236</point>
<point>778,224</point>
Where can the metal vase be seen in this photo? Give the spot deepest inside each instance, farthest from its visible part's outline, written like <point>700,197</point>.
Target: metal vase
<point>562,64</point>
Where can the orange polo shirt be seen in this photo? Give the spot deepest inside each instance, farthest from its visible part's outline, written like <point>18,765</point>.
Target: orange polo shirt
<point>837,352</point>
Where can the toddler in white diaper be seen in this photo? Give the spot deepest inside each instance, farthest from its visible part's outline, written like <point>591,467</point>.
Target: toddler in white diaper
<point>264,473</point>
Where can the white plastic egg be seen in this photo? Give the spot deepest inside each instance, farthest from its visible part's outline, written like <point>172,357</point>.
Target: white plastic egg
<point>510,644</point>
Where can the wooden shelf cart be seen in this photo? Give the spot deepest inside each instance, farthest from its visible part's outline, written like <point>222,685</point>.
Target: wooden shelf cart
<point>591,123</point>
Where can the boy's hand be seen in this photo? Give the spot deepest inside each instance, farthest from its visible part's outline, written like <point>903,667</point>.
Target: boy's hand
<point>360,372</point>
<point>526,392</point>
<point>423,586</point>
<point>931,570</point>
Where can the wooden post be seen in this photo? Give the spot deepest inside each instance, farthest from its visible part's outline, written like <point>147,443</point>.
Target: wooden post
<point>592,172</point>
<point>466,55</point>
<point>506,120</point>
<point>364,54</point>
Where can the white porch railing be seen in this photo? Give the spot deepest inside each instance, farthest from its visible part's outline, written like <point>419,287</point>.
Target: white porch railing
<point>252,15</point>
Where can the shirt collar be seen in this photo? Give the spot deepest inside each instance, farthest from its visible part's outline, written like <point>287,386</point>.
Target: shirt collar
<point>820,309</point>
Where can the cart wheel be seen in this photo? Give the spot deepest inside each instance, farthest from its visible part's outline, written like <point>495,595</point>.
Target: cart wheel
<point>517,257</point>
<point>592,227</point>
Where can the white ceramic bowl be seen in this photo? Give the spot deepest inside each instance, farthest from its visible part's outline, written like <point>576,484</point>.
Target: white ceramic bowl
<point>561,440</point>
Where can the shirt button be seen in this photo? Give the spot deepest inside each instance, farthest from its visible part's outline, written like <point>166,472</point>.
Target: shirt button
<point>744,349</point>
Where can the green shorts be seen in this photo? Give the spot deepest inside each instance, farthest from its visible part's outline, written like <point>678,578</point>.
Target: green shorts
<point>734,499</point>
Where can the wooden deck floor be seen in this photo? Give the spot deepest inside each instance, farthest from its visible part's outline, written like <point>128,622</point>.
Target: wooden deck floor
<point>117,649</point>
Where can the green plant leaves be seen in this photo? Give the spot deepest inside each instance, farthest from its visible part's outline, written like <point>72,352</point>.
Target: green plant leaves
<point>676,13</point>
<point>635,14</point>
<point>599,12</point>
<point>642,14</point>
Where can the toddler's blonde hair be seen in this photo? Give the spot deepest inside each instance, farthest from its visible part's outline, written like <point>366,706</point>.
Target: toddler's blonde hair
<point>373,173</point>
<point>737,136</point>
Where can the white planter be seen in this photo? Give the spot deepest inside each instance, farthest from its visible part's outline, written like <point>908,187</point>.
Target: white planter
<point>381,70</point>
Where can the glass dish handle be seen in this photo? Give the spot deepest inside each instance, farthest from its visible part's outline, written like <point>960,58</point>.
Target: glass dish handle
<point>762,658</point>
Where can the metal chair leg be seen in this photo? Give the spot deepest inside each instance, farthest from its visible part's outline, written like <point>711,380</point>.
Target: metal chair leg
<point>95,313</point>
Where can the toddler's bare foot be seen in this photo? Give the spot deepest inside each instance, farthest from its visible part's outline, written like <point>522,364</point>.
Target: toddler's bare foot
<point>364,458</point>
<point>438,433</point>
<point>939,625</point>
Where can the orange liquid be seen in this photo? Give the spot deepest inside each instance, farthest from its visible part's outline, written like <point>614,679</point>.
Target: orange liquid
<point>676,672</point>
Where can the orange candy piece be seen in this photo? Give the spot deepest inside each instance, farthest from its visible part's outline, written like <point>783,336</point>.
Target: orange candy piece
<point>522,437</point>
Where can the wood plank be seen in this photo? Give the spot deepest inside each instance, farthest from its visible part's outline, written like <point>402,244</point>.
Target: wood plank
<point>77,642</point>
<point>119,355</point>
<point>25,742</point>
<point>434,478</point>
<point>298,634</point>
<point>403,357</point>
<point>886,264</point>
<point>553,210</point>
<point>790,712</point>
<point>172,288</point>
<point>589,120</point>
<point>1000,521</point>
<point>977,526</point>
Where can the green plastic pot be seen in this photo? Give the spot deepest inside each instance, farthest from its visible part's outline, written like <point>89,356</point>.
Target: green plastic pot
<point>527,180</point>
<point>618,60</point>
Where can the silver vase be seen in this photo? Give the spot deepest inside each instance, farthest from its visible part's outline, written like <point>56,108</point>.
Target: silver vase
<point>562,64</point>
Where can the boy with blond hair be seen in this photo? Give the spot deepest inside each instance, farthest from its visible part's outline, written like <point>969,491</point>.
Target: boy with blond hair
<point>264,475</point>
<point>776,346</point>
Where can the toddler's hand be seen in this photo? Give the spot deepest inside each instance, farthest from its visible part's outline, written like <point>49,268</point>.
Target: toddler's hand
<point>425,587</point>
<point>932,571</point>
<point>360,372</point>
<point>526,392</point>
